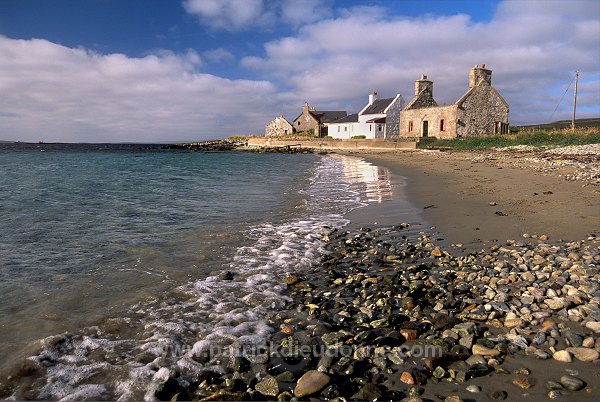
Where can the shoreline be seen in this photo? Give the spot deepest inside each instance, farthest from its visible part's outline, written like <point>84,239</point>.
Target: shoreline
<point>511,319</point>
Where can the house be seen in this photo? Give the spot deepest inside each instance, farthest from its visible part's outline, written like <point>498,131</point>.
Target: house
<point>480,111</point>
<point>344,127</point>
<point>278,126</point>
<point>371,121</point>
<point>317,121</point>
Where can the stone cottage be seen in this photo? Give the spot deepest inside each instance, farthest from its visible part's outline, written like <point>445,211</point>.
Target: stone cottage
<point>314,120</point>
<point>480,111</point>
<point>278,126</point>
<point>371,122</point>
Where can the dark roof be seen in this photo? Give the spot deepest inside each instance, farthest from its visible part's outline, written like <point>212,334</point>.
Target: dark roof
<point>378,106</point>
<point>377,120</point>
<point>351,118</point>
<point>328,116</point>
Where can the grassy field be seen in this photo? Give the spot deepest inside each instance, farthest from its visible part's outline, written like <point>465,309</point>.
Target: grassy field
<point>533,137</point>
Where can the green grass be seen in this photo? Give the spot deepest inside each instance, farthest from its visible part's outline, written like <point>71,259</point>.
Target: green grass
<point>537,138</point>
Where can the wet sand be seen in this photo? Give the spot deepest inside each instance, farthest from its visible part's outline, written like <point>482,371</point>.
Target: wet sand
<point>456,195</point>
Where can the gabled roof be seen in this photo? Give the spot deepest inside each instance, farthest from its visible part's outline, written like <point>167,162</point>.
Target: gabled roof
<point>422,100</point>
<point>463,98</point>
<point>351,118</point>
<point>328,116</point>
<point>378,106</point>
<point>325,116</point>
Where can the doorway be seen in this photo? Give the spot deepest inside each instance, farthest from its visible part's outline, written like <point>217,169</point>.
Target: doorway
<point>425,128</point>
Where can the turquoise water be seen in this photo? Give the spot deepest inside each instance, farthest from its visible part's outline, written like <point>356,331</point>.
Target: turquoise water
<point>109,256</point>
<point>81,229</point>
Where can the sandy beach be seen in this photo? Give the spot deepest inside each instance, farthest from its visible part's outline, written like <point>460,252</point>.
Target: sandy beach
<point>473,198</point>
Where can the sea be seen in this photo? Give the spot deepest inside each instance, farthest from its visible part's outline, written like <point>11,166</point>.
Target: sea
<point>122,263</point>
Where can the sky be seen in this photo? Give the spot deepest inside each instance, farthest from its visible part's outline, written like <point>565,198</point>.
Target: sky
<point>187,70</point>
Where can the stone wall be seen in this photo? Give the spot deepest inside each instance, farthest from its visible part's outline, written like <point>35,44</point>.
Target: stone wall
<point>392,119</point>
<point>277,127</point>
<point>332,145</point>
<point>433,116</point>
<point>479,111</point>
<point>306,122</point>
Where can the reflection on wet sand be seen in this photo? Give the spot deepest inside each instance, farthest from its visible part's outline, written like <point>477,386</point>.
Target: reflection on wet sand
<point>376,179</point>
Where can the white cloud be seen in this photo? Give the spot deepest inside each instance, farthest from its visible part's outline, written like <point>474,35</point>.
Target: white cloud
<point>243,15</point>
<point>219,55</point>
<point>533,47</point>
<point>230,15</point>
<point>55,93</point>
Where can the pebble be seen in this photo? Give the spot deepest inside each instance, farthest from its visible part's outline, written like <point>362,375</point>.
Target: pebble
<point>407,378</point>
<point>522,382</point>
<point>563,356</point>
<point>572,383</point>
<point>311,382</point>
<point>584,354</point>
<point>474,388</point>
<point>268,386</point>
<point>593,325</point>
<point>482,350</point>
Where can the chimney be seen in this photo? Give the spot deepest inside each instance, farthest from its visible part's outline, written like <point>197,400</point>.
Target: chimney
<point>373,97</point>
<point>479,74</point>
<point>423,84</point>
<point>305,108</point>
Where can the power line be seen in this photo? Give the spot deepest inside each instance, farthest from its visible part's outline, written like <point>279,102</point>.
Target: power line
<point>562,97</point>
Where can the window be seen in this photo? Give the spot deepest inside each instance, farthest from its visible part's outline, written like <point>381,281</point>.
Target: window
<point>442,125</point>
<point>338,129</point>
<point>410,126</point>
<point>298,124</point>
<point>380,127</point>
<point>345,128</point>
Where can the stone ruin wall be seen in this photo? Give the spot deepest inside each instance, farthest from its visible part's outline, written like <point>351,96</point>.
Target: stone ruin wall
<point>480,111</point>
<point>433,115</point>
<point>307,122</point>
<point>278,127</point>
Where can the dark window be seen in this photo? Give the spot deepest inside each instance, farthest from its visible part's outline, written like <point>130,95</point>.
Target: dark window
<point>410,126</point>
<point>442,125</point>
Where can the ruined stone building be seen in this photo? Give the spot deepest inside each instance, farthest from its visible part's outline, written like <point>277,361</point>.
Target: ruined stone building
<point>317,121</point>
<point>480,111</point>
<point>278,126</point>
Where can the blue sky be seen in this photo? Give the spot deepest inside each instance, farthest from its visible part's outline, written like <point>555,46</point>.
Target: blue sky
<point>166,70</point>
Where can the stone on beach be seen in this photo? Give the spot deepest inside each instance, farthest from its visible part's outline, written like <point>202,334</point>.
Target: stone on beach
<point>311,382</point>
<point>593,325</point>
<point>584,354</point>
<point>563,356</point>
<point>483,351</point>
<point>572,383</point>
<point>268,386</point>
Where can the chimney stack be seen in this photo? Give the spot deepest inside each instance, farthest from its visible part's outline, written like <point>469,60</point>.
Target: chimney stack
<point>478,74</point>
<point>423,84</point>
<point>373,97</point>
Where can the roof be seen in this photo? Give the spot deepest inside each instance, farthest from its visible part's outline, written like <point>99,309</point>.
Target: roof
<point>351,118</point>
<point>328,116</point>
<point>378,106</point>
<point>377,120</point>
<point>463,98</point>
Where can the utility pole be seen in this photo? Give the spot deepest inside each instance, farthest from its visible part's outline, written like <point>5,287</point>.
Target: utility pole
<point>574,100</point>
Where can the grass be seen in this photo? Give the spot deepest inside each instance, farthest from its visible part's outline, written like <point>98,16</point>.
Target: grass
<point>536,138</point>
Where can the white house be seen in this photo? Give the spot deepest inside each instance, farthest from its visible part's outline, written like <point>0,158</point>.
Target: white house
<point>370,122</point>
